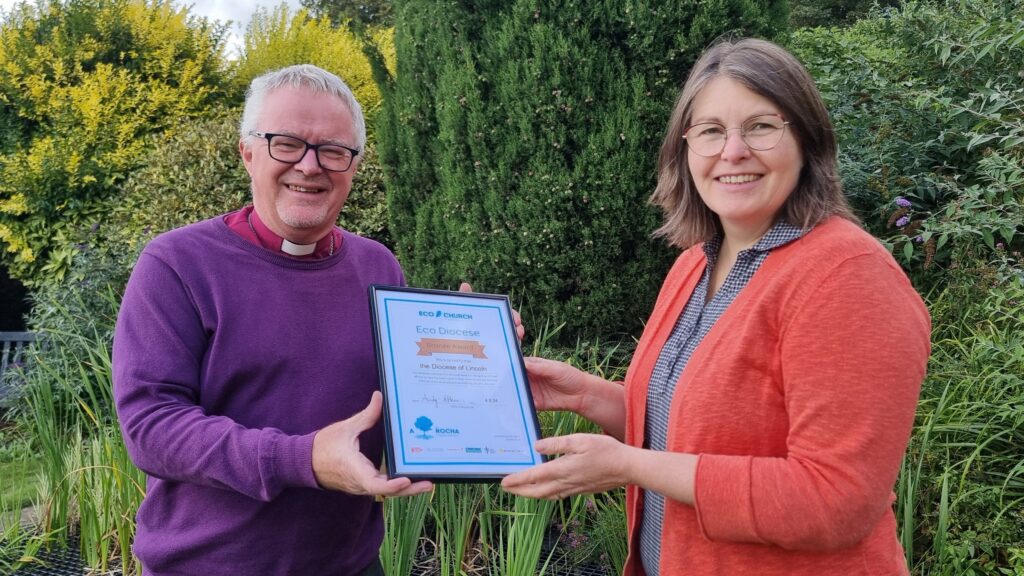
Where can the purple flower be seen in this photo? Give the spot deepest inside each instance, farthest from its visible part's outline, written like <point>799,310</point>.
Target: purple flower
<point>903,221</point>
<point>918,239</point>
<point>902,202</point>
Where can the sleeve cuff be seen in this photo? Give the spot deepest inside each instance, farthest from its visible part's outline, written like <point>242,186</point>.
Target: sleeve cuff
<point>722,498</point>
<point>292,462</point>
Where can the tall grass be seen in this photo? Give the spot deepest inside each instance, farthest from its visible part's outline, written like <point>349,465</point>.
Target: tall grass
<point>513,530</point>
<point>960,493</point>
<point>88,484</point>
<point>454,510</point>
<point>961,487</point>
<point>20,542</point>
<point>404,520</point>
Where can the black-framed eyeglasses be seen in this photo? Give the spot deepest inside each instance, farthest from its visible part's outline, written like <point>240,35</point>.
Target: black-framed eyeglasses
<point>291,150</point>
<point>760,133</point>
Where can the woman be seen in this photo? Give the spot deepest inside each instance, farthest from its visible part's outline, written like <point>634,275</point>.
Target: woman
<point>770,400</point>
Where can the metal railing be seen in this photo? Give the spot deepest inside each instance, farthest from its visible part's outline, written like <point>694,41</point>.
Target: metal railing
<point>12,352</point>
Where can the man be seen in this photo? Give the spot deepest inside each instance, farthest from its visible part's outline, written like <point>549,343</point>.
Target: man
<point>244,371</point>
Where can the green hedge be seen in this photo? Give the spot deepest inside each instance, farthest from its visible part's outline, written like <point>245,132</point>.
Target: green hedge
<point>519,139</point>
<point>929,110</point>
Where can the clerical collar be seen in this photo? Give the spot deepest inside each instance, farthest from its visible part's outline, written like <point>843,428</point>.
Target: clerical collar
<point>247,224</point>
<point>296,249</point>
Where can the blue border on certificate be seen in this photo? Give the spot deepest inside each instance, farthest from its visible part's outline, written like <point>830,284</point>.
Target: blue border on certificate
<point>509,355</point>
<point>389,320</point>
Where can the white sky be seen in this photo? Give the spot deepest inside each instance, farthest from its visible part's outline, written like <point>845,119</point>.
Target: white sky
<point>238,11</point>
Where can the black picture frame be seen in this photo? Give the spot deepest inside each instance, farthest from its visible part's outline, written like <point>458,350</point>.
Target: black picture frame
<point>457,401</point>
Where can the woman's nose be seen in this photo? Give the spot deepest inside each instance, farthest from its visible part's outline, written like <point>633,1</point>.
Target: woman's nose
<point>735,148</point>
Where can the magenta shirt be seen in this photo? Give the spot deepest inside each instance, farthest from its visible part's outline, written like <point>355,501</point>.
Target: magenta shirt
<point>258,233</point>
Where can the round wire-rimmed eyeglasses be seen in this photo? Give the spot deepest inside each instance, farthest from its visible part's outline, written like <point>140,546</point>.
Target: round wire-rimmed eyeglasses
<point>762,132</point>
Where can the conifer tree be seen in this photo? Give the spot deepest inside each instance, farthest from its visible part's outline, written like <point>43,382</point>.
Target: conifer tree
<point>519,139</point>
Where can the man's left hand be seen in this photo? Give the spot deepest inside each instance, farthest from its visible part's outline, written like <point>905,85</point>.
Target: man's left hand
<point>516,318</point>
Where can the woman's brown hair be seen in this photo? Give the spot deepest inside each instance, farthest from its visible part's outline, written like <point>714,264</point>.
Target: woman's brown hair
<point>774,73</point>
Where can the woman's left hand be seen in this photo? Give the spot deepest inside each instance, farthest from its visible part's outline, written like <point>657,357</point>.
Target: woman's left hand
<point>588,463</point>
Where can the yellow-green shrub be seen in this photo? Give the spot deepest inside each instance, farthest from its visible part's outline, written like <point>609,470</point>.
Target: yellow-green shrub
<point>278,39</point>
<point>81,83</point>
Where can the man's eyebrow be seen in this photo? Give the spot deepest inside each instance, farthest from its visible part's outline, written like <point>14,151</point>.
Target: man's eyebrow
<point>331,141</point>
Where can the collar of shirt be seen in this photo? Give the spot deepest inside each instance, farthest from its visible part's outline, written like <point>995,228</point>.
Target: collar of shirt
<point>258,234</point>
<point>779,234</point>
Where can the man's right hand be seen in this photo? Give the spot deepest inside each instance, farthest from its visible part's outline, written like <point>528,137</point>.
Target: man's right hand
<point>339,465</point>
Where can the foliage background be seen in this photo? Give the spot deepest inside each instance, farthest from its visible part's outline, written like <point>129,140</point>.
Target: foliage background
<point>81,85</point>
<point>928,104</point>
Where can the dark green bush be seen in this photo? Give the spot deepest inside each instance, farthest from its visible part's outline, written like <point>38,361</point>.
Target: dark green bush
<point>929,110</point>
<point>520,140</point>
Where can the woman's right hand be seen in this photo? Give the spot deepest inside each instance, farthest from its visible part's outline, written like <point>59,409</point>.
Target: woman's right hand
<point>555,385</point>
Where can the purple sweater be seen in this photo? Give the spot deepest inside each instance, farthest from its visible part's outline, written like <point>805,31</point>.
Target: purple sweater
<point>227,359</point>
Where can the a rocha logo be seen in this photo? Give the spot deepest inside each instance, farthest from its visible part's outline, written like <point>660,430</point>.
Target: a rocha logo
<point>426,425</point>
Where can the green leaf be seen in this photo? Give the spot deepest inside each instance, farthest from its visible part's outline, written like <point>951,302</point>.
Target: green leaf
<point>1007,232</point>
<point>908,251</point>
<point>990,240</point>
<point>978,139</point>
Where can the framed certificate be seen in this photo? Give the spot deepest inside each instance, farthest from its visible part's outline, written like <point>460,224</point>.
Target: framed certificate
<point>457,405</point>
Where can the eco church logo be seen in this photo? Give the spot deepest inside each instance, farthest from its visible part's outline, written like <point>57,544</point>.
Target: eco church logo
<point>446,315</point>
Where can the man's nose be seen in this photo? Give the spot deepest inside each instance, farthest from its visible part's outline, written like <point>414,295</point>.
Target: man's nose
<point>308,164</point>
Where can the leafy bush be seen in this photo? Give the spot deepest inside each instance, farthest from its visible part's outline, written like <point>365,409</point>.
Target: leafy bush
<point>278,39</point>
<point>831,12</point>
<point>962,487</point>
<point>930,114</point>
<point>190,174</point>
<point>81,83</point>
<point>520,138</point>
<point>365,12</point>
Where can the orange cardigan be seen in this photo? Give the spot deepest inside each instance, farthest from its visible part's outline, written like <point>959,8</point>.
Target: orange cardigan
<point>799,402</point>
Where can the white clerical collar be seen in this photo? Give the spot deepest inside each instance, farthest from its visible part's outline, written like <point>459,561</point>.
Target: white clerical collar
<point>294,249</point>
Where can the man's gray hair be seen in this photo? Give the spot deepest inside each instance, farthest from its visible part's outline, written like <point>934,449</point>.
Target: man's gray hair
<point>313,78</point>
